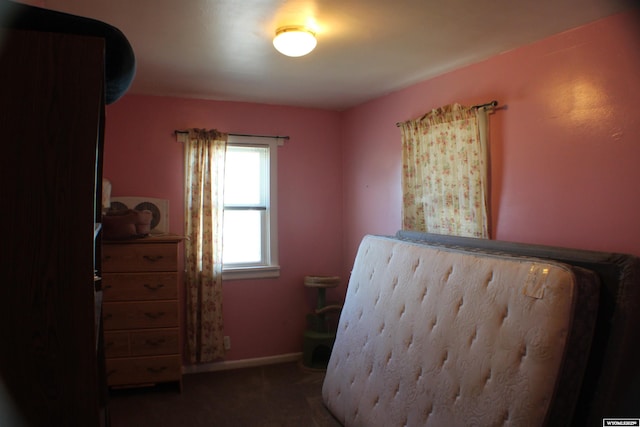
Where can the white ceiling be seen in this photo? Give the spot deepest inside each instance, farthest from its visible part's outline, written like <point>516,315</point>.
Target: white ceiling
<point>222,49</point>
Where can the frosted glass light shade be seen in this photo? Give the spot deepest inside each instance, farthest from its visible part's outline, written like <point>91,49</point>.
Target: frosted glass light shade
<point>294,41</point>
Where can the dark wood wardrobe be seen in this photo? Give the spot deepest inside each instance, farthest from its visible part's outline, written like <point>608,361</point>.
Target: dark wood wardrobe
<point>51,137</point>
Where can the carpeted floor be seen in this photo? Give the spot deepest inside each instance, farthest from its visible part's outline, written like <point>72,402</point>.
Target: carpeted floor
<point>282,395</point>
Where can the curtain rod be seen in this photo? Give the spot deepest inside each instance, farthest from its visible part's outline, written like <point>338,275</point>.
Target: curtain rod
<point>242,134</point>
<point>491,104</point>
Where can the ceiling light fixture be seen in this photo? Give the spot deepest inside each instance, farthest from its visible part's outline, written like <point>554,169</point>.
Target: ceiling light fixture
<point>294,40</point>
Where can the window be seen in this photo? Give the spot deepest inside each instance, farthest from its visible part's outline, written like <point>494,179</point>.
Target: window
<point>250,224</point>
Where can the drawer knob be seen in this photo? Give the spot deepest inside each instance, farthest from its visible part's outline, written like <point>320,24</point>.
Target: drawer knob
<point>152,258</point>
<point>154,343</point>
<point>111,372</point>
<point>154,315</point>
<point>156,370</point>
<point>106,316</point>
<point>154,287</point>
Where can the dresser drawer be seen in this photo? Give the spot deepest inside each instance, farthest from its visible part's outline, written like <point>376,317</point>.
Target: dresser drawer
<point>139,286</point>
<point>143,370</point>
<point>149,343</point>
<point>139,315</point>
<point>139,257</point>
<point>142,343</point>
<point>116,344</point>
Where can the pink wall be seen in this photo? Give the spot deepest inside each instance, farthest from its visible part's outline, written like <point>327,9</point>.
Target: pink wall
<point>565,149</point>
<point>564,153</point>
<point>142,158</point>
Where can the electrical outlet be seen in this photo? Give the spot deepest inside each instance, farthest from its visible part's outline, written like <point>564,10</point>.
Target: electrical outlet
<point>227,343</point>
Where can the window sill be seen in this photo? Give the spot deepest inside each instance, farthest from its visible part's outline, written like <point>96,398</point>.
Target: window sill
<point>265,272</point>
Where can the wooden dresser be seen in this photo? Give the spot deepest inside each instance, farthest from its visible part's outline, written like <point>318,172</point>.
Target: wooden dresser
<point>141,311</point>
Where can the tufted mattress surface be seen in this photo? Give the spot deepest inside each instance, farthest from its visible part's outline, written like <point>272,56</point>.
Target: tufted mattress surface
<point>431,336</point>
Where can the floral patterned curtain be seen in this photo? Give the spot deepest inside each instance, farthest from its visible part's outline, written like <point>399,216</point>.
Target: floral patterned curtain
<point>204,184</point>
<point>445,182</point>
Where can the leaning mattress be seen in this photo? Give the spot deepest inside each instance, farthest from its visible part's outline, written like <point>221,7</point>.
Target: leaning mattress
<point>433,336</point>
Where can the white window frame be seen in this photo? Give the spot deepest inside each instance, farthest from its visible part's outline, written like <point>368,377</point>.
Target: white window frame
<point>270,268</point>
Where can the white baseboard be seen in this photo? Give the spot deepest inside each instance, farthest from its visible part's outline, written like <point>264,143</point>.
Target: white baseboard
<point>243,363</point>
